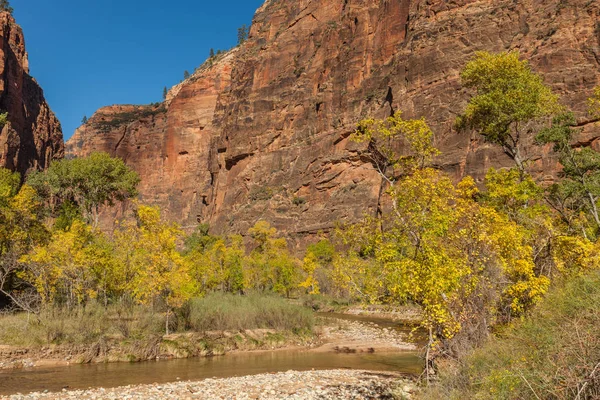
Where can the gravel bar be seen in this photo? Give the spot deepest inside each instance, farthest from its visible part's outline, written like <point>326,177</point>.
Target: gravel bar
<point>333,384</point>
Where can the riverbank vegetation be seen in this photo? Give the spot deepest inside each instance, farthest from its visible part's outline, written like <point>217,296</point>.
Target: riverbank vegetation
<point>478,258</point>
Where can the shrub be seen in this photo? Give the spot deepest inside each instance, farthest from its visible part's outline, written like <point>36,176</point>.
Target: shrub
<point>553,354</point>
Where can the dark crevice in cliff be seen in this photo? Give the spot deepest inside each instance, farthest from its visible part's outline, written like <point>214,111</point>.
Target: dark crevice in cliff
<point>121,138</point>
<point>389,99</point>
<point>231,162</point>
<point>587,122</point>
<point>342,136</point>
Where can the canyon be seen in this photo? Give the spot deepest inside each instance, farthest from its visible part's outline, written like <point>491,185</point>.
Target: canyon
<point>32,136</point>
<point>263,131</point>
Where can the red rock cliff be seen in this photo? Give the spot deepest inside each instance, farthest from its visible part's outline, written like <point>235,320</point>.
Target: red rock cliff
<point>262,133</point>
<point>32,137</point>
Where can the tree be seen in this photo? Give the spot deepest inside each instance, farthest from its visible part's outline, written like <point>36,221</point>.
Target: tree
<point>270,266</point>
<point>152,268</point>
<point>71,268</point>
<point>5,6</point>
<point>509,98</point>
<point>165,92</point>
<point>84,120</point>
<point>318,257</point>
<point>580,187</point>
<point>212,53</point>
<point>186,74</point>
<point>21,229</point>
<point>594,103</point>
<point>243,32</point>
<point>467,264</point>
<point>90,183</point>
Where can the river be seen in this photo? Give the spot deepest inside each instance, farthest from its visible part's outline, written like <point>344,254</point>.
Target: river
<point>231,365</point>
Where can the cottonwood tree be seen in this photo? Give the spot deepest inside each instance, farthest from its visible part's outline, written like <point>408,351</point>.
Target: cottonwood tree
<point>154,270</point>
<point>509,98</point>
<point>21,228</point>
<point>465,263</point>
<point>270,266</point>
<point>580,187</point>
<point>90,183</point>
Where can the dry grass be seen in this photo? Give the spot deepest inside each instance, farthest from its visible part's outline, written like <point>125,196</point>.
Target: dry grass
<point>553,354</point>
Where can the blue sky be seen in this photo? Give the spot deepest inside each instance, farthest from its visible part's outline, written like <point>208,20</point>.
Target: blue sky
<point>89,53</point>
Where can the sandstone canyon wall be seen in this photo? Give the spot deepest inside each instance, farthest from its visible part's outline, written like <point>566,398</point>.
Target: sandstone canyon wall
<point>262,132</point>
<point>32,137</point>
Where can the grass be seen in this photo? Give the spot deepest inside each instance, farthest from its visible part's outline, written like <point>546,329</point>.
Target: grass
<point>121,332</point>
<point>552,354</point>
<point>226,312</point>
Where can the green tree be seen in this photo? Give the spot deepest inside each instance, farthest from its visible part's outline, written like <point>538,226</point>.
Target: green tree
<point>212,53</point>
<point>509,97</point>
<point>165,92</point>
<point>243,32</point>
<point>186,74</point>
<point>580,187</point>
<point>90,183</point>
<point>5,6</point>
<point>84,120</point>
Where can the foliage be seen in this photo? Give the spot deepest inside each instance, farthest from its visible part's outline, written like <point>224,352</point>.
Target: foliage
<point>383,135</point>
<point>71,267</point>
<point>5,6</point>
<point>243,32</point>
<point>3,119</point>
<point>21,228</point>
<point>551,355</point>
<point>467,258</point>
<point>508,98</point>
<point>579,190</point>
<point>186,74</point>
<point>594,103</point>
<point>270,266</point>
<point>90,183</point>
<point>152,267</point>
<point>165,93</point>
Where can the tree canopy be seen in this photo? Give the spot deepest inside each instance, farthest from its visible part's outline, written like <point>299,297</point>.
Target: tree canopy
<point>508,98</point>
<point>89,183</point>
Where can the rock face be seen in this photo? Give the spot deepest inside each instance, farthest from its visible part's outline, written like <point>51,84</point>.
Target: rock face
<point>263,132</point>
<point>32,137</point>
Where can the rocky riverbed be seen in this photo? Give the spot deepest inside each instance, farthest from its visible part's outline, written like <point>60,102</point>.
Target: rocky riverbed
<point>323,385</point>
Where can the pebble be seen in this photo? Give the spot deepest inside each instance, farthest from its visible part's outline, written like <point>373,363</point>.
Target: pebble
<point>293,385</point>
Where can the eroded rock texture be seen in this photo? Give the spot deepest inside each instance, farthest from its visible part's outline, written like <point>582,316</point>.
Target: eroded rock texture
<point>262,133</point>
<point>33,136</point>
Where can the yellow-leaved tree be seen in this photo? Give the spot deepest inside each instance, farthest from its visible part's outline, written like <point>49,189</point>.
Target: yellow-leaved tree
<point>72,268</point>
<point>270,265</point>
<point>466,264</point>
<point>21,229</point>
<point>154,270</point>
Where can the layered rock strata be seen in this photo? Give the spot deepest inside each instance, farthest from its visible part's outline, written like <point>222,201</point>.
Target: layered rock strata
<point>32,137</point>
<point>263,131</point>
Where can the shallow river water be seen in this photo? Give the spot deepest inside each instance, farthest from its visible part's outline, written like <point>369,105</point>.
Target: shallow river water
<point>240,364</point>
